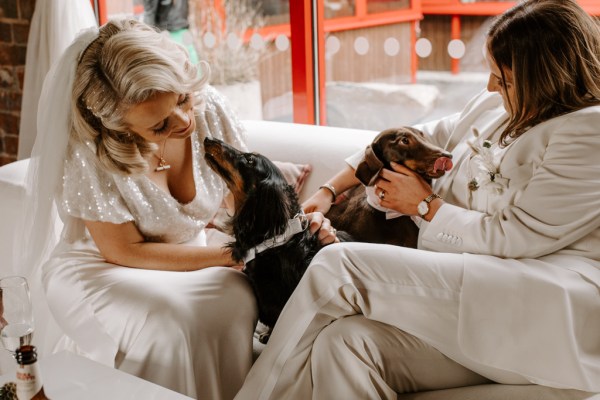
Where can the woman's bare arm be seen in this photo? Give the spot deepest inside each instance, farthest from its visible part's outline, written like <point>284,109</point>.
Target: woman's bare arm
<point>123,244</point>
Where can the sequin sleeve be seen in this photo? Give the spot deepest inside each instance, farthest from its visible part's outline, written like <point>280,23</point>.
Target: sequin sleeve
<point>220,121</point>
<point>88,192</point>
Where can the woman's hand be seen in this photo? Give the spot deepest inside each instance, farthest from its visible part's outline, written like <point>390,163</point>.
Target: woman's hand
<point>318,202</point>
<point>239,267</point>
<point>403,189</point>
<point>322,199</point>
<point>321,225</point>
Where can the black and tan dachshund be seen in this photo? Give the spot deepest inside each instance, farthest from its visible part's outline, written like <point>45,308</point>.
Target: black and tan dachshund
<point>270,230</point>
<point>355,219</point>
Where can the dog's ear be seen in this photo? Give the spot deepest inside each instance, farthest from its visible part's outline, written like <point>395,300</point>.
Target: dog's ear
<point>265,212</point>
<point>279,200</point>
<point>368,169</point>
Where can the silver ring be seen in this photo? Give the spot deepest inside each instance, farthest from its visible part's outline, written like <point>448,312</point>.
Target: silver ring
<point>332,230</point>
<point>382,195</point>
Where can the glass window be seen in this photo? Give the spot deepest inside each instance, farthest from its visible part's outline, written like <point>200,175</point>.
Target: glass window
<point>386,62</point>
<point>249,64</point>
<point>377,6</point>
<point>339,8</point>
<point>275,12</point>
<point>123,9</point>
<point>368,76</point>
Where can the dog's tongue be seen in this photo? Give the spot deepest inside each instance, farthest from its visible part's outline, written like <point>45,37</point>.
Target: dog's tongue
<point>442,164</point>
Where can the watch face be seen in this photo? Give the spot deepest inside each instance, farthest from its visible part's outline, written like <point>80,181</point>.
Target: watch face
<point>423,208</point>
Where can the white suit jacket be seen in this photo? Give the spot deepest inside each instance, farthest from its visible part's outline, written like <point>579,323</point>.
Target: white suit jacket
<point>531,294</point>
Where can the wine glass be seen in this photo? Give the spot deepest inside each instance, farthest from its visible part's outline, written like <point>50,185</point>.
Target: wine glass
<point>16,315</point>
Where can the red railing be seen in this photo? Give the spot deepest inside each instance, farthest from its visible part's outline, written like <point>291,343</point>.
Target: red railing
<point>456,9</point>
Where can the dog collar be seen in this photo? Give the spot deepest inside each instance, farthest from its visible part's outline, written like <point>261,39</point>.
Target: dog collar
<point>294,226</point>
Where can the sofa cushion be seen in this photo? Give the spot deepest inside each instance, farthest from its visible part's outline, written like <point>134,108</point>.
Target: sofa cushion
<point>295,174</point>
<point>12,190</point>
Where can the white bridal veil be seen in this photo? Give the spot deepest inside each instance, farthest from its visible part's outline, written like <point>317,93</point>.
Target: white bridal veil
<point>37,232</point>
<point>54,25</point>
<point>46,164</point>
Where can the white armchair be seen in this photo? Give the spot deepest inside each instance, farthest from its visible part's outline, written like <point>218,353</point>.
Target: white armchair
<point>324,148</point>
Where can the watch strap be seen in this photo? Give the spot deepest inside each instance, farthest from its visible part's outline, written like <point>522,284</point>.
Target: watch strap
<point>432,196</point>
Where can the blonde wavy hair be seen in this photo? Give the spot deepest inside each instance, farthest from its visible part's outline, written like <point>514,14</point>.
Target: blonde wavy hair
<point>552,48</point>
<point>127,64</point>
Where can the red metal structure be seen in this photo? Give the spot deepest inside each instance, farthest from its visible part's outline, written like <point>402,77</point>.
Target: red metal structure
<point>456,9</point>
<point>307,64</point>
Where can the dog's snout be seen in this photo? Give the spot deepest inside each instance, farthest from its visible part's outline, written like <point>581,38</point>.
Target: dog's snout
<point>208,141</point>
<point>212,146</point>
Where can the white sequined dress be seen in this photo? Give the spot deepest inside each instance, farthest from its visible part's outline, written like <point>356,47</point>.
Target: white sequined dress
<point>188,331</point>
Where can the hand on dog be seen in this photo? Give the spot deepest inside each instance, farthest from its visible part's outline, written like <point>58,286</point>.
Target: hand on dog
<point>239,267</point>
<point>404,189</point>
<point>318,202</point>
<point>322,225</point>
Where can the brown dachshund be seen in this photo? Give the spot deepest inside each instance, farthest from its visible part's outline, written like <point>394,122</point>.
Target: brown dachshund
<point>356,219</point>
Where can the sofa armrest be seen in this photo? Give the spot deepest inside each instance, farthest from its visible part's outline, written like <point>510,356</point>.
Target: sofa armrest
<point>12,195</point>
<point>323,147</point>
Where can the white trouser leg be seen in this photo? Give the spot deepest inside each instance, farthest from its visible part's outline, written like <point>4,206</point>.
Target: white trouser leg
<point>415,291</point>
<point>357,358</point>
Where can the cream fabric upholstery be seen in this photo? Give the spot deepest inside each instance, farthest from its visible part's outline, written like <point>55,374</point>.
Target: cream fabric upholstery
<point>12,192</point>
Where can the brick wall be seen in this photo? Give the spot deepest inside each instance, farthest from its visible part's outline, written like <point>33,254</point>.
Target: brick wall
<point>15,17</point>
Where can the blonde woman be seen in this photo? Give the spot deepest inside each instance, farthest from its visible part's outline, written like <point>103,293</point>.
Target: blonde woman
<point>133,282</point>
<point>505,285</point>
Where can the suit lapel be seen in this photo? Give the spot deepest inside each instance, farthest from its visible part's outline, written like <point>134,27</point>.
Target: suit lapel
<point>489,129</point>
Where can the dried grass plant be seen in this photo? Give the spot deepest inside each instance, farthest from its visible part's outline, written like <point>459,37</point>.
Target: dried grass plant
<point>231,59</point>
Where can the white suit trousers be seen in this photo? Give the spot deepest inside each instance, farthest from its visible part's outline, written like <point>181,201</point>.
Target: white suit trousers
<point>398,291</point>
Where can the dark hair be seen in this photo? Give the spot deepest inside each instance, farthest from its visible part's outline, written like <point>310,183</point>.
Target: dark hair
<point>552,48</point>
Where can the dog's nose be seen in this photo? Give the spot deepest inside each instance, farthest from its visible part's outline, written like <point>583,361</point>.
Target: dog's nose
<point>212,146</point>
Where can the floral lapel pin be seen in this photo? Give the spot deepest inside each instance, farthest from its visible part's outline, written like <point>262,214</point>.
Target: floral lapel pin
<point>487,165</point>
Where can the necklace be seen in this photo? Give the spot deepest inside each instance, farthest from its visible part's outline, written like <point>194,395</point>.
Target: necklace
<point>162,163</point>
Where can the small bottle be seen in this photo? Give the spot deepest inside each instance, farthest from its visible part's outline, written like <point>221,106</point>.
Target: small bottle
<point>29,380</point>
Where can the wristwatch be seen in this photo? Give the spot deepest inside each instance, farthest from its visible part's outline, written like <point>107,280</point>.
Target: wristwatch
<point>423,207</point>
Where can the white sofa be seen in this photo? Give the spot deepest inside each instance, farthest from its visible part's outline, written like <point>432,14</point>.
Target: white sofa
<point>324,148</point>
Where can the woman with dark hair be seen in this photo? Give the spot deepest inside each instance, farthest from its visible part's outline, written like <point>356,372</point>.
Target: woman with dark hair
<point>505,283</point>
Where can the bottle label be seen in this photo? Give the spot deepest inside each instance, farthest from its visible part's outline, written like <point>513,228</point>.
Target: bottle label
<point>29,382</point>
